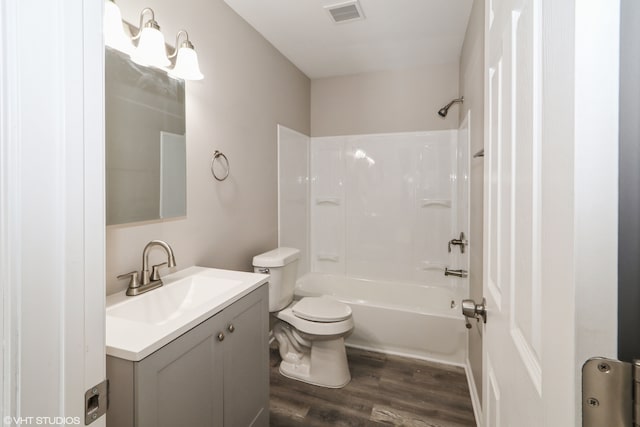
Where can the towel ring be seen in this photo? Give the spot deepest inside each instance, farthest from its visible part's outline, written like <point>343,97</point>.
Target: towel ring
<point>217,154</point>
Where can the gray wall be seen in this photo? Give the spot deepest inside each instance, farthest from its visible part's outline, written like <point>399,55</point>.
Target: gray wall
<point>629,204</point>
<point>385,101</point>
<point>249,88</point>
<point>472,87</point>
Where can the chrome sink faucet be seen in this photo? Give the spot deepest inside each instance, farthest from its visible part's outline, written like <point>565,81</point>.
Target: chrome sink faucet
<point>149,280</point>
<point>171,262</point>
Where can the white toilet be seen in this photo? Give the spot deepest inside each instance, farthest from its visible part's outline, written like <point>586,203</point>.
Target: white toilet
<point>310,332</point>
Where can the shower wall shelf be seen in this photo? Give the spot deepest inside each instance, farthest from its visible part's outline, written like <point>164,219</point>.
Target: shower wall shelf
<point>479,154</point>
<point>328,201</point>
<point>328,257</point>
<point>429,265</point>
<point>425,203</point>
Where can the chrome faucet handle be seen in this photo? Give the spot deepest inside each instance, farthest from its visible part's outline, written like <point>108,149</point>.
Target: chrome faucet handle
<point>133,281</point>
<point>461,241</point>
<point>155,275</point>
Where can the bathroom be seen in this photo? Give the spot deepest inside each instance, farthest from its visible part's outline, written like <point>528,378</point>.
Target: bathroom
<point>252,95</point>
<point>249,89</point>
<point>269,97</point>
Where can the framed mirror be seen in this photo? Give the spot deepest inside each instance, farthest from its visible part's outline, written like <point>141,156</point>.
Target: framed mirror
<point>145,142</point>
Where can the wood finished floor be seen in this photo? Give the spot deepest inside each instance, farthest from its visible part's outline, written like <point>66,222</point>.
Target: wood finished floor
<point>384,390</point>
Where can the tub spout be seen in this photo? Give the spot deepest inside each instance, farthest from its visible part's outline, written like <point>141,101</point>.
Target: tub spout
<point>456,273</point>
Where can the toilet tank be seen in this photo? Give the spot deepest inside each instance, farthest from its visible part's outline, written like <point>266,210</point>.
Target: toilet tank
<point>282,264</point>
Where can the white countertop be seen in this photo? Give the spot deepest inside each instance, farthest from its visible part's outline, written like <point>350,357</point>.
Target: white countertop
<point>139,325</point>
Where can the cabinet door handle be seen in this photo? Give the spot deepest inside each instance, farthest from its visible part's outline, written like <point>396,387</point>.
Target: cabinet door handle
<point>231,328</point>
<point>220,336</point>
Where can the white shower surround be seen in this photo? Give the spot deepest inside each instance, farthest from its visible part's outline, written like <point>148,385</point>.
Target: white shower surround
<point>381,209</point>
<point>293,193</point>
<point>382,206</point>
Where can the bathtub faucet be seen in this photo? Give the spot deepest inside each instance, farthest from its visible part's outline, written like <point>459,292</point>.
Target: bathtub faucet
<point>456,273</point>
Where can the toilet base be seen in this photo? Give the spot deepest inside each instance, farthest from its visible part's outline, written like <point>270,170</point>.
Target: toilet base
<point>324,364</point>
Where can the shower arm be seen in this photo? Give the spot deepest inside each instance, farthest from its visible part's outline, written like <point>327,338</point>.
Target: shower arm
<point>445,110</point>
<point>455,101</point>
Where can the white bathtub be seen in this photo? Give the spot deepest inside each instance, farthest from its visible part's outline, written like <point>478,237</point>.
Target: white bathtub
<point>405,319</point>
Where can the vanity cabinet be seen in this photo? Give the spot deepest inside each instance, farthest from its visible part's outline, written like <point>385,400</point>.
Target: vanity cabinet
<point>216,374</point>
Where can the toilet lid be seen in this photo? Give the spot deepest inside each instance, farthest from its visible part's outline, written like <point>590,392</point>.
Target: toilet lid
<point>321,309</point>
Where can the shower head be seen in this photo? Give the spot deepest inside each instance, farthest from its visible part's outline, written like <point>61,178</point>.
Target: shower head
<point>444,110</point>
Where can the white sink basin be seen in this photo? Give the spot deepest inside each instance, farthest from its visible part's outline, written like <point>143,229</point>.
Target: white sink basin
<point>137,326</point>
<point>173,301</point>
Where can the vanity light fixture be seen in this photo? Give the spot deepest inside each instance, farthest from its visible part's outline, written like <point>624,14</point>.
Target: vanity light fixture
<point>114,34</point>
<point>186,66</point>
<point>151,50</point>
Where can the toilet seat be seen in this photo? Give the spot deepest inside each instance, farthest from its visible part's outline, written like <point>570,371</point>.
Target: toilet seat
<point>321,309</point>
<point>320,328</point>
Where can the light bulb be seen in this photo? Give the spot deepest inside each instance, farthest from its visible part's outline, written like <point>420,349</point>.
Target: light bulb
<point>114,35</point>
<point>151,50</point>
<point>186,67</point>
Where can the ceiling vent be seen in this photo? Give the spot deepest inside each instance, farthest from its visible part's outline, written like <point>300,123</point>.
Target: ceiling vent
<point>345,11</point>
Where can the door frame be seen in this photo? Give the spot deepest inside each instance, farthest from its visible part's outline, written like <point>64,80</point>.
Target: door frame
<point>593,128</point>
<point>629,201</point>
<point>580,55</point>
<point>52,245</point>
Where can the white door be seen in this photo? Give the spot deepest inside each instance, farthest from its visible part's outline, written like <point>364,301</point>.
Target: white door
<point>52,281</point>
<point>550,205</point>
<point>512,342</point>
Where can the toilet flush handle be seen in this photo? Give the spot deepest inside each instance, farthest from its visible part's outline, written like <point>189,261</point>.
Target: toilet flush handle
<point>263,270</point>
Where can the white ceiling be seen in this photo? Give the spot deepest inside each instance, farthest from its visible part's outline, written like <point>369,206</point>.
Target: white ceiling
<point>394,34</point>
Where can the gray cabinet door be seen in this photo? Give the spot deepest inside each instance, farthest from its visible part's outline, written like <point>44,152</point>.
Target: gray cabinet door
<point>182,383</point>
<point>246,361</point>
<point>199,379</point>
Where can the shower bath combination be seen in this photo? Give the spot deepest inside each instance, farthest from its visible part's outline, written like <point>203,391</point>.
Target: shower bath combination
<point>444,110</point>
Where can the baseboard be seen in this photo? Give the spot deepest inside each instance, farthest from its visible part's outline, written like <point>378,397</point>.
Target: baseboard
<point>475,399</point>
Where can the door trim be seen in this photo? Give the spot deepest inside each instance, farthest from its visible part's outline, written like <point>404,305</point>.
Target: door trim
<point>52,245</point>
<point>9,210</point>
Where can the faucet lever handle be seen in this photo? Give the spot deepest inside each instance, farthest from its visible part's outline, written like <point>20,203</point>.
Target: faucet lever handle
<point>155,275</point>
<point>461,241</point>
<point>133,281</point>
